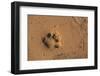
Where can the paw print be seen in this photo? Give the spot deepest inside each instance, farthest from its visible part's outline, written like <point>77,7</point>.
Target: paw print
<point>52,40</point>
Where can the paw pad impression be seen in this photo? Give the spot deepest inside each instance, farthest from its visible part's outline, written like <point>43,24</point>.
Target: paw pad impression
<point>52,40</point>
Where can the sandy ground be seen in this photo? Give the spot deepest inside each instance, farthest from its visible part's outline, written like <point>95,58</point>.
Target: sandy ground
<point>73,31</point>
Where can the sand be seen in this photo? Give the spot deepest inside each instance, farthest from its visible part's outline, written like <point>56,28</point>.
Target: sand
<point>72,30</point>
